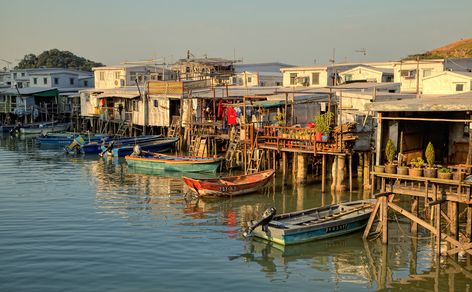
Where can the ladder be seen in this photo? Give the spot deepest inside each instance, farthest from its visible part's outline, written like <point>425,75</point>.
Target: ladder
<point>123,127</point>
<point>174,128</point>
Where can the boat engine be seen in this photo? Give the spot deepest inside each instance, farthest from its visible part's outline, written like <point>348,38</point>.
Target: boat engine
<point>107,149</point>
<point>136,151</point>
<point>267,216</point>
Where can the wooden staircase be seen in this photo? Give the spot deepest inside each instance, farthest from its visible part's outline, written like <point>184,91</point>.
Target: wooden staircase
<point>174,129</point>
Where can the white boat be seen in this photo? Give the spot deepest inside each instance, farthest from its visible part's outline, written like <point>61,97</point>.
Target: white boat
<point>44,128</point>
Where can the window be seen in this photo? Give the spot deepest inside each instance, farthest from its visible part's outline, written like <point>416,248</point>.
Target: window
<point>135,105</point>
<point>460,87</point>
<point>117,75</point>
<point>45,80</point>
<point>249,80</point>
<point>427,72</point>
<point>102,76</point>
<point>14,75</point>
<point>315,78</point>
<point>132,77</point>
<point>56,80</point>
<point>35,80</point>
<point>156,103</point>
<point>293,77</point>
<point>22,74</point>
<point>71,81</point>
<point>85,83</point>
<point>408,74</point>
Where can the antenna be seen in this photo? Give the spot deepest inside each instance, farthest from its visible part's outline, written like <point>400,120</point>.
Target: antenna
<point>362,50</point>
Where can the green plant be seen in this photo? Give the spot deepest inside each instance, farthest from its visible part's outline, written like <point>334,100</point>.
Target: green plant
<point>323,123</point>
<point>445,170</point>
<point>417,163</point>
<point>390,151</point>
<point>429,154</point>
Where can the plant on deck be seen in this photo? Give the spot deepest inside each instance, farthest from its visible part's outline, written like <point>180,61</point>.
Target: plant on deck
<point>417,163</point>
<point>429,154</point>
<point>323,123</point>
<point>390,151</point>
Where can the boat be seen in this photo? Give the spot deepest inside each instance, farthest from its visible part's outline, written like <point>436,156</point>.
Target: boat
<point>231,185</point>
<point>162,144</point>
<point>312,224</point>
<point>173,163</point>
<point>93,147</point>
<point>67,138</point>
<point>44,128</point>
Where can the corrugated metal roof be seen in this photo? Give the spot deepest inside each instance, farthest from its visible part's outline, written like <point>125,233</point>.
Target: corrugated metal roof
<point>444,103</point>
<point>27,90</point>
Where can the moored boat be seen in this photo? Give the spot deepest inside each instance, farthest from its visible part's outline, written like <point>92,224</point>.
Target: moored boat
<point>96,147</point>
<point>313,224</point>
<point>67,138</point>
<point>162,144</point>
<point>45,128</point>
<point>173,163</point>
<point>231,185</point>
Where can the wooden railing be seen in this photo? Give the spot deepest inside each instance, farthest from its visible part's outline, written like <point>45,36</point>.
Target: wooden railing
<point>298,140</point>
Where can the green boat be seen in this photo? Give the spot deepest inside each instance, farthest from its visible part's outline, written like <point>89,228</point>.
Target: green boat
<point>158,161</point>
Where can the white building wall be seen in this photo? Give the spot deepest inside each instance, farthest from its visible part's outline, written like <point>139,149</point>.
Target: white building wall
<point>307,76</point>
<point>426,68</point>
<point>445,83</point>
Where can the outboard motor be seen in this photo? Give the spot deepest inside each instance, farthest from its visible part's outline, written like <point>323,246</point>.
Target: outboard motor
<point>107,149</point>
<point>136,151</point>
<point>267,216</point>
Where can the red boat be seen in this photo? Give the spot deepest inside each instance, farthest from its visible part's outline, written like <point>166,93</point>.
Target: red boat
<point>231,185</point>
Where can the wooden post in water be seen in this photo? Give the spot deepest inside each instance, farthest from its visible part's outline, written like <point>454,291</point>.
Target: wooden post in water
<point>294,165</point>
<point>414,211</point>
<point>338,167</point>
<point>350,173</point>
<point>453,214</point>
<point>366,171</point>
<point>384,219</point>
<point>323,173</point>
<point>284,168</point>
<point>302,168</point>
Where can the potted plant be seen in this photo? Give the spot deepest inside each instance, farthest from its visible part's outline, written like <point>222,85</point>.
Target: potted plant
<point>430,171</point>
<point>390,154</point>
<point>323,125</point>
<point>416,167</point>
<point>445,173</point>
<point>401,169</point>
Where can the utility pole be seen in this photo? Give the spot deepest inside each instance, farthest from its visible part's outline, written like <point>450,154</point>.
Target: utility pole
<point>417,76</point>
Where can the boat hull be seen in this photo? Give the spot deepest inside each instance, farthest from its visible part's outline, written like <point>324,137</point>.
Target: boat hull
<point>282,232</point>
<point>224,186</point>
<point>60,127</point>
<point>66,140</point>
<point>96,147</point>
<point>160,145</point>
<point>186,165</point>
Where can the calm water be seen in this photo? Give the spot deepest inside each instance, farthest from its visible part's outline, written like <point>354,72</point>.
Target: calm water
<point>86,224</point>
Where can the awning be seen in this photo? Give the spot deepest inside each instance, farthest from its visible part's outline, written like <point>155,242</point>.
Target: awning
<point>119,95</point>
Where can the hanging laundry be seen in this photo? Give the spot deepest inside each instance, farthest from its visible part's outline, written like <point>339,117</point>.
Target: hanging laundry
<point>231,116</point>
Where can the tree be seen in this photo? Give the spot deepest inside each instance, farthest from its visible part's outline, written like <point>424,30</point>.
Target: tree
<point>57,59</point>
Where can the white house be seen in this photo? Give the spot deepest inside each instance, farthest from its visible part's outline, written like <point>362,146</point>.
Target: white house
<point>367,73</point>
<point>448,82</point>
<point>405,72</point>
<point>126,74</point>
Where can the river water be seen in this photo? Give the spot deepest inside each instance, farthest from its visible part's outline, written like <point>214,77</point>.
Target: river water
<point>89,224</point>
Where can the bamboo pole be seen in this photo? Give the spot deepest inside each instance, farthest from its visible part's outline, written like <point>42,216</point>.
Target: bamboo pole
<point>384,220</point>
<point>350,173</point>
<point>414,211</point>
<point>323,173</point>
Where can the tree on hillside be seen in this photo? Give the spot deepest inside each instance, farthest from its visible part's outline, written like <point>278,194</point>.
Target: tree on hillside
<point>57,59</point>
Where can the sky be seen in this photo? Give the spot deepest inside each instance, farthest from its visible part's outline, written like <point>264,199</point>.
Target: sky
<point>296,32</point>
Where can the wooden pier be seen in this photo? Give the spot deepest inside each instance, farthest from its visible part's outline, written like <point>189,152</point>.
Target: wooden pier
<point>442,201</point>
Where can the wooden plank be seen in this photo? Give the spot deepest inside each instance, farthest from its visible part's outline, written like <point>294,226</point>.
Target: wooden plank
<point>371,219</point>
<point>384,220</point>
<point>426,225</point>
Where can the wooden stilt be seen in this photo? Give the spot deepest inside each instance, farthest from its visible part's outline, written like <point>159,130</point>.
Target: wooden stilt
<point>384,220</point>
<point>323,173</point>
<point>453,214</point>
<point>350,173</point>
<point>414,211</point>
<point>284,168</point>
<point>468,226</point>
<point>438,229</point>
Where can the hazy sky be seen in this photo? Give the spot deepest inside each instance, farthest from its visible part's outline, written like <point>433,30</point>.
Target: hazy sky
<point>296,32</point>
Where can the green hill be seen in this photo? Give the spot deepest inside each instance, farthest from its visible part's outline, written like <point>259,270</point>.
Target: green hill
<point>458,49</point>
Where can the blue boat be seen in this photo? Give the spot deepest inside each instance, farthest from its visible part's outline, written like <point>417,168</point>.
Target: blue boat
<point>162,144</point>
<point>312,224</point>
<point>96,147</point>
<point>67,138</point>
